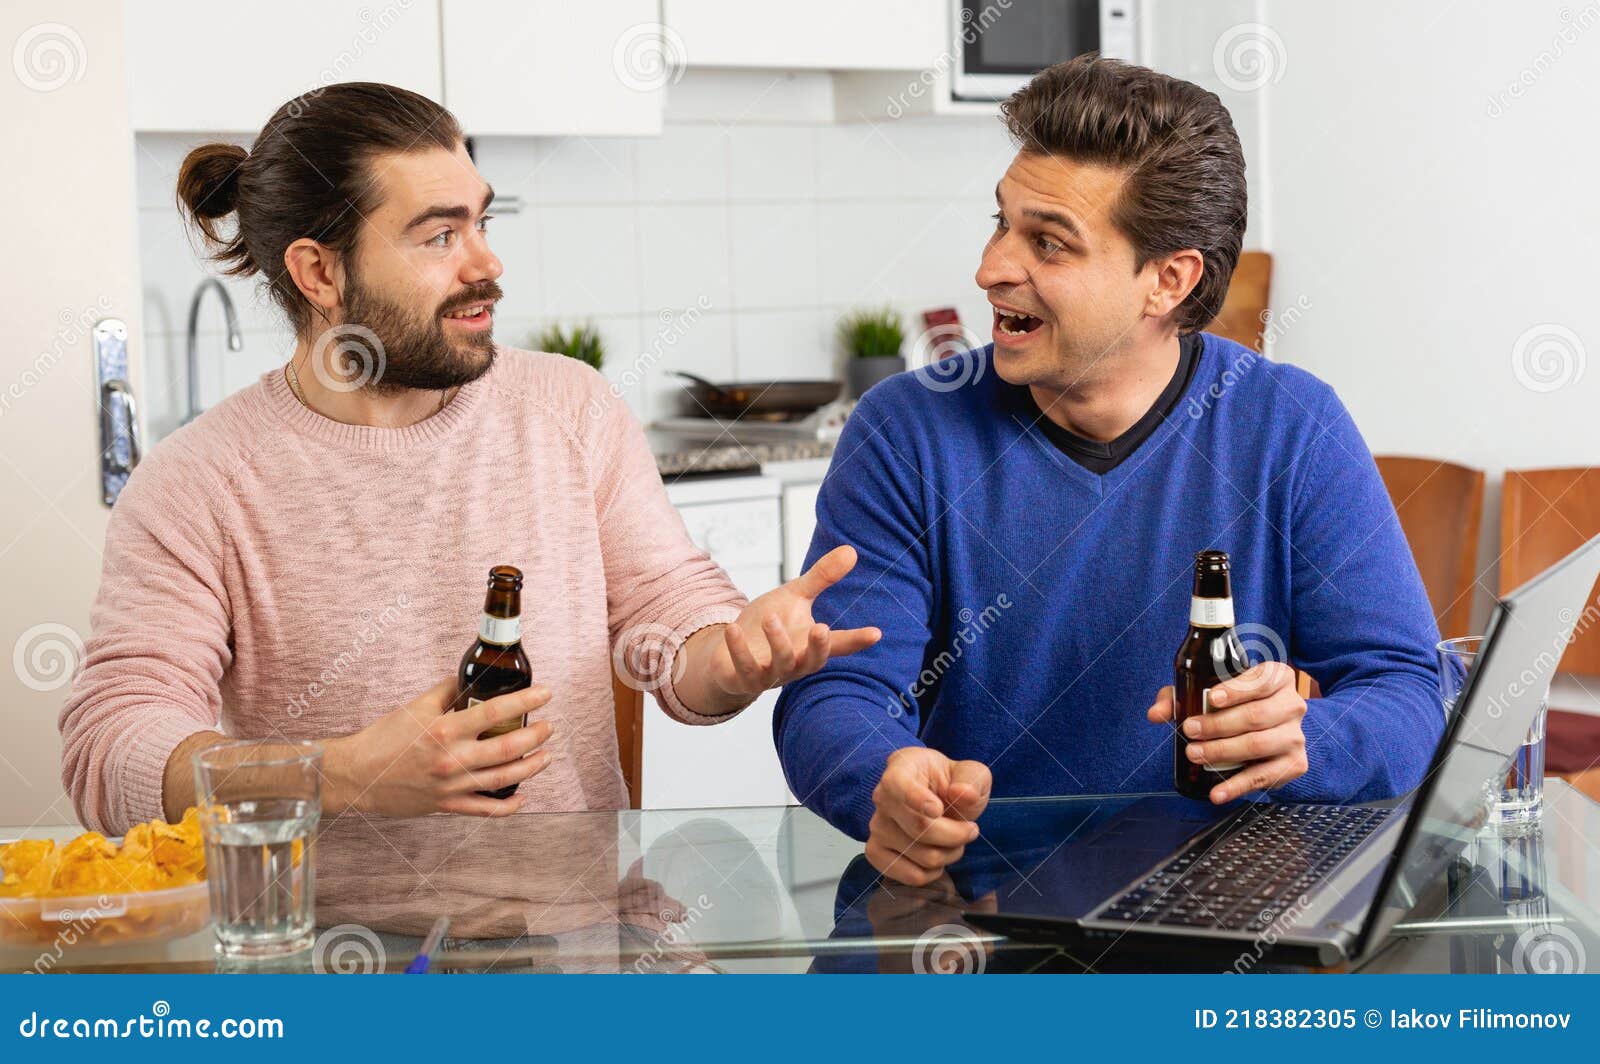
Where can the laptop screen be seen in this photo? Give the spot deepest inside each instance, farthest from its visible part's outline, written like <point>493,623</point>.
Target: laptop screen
<point>1526,636</point>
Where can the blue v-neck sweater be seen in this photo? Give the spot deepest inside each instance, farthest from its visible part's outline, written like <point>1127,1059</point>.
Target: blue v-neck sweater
<point>1031,609</point>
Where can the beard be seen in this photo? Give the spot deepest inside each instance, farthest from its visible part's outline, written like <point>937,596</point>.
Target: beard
<point>416,352</point>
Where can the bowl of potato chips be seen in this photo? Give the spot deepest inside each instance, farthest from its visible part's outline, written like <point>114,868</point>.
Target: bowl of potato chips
<point>93,891</point>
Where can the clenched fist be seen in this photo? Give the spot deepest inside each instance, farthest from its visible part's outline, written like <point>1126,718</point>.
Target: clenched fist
<point>927,806</point>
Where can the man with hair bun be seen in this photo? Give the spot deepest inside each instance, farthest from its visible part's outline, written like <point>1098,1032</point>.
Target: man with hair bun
<point>306,559</point>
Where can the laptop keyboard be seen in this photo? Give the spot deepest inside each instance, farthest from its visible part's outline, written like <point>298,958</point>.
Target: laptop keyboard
<point>1251,872</point>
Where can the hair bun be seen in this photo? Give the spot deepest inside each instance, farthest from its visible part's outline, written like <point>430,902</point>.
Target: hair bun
<point>208,181</point>
<point>208,189</point>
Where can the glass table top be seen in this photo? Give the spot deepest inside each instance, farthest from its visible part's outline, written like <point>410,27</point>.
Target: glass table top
<point>776,889</point>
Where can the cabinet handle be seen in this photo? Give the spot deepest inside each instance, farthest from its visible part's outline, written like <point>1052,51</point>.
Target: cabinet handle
<point>119,389</point>
<point>119,415</point>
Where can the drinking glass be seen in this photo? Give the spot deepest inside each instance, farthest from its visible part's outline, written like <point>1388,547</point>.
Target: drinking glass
<point>260,802</point>
<point>1517,800</point>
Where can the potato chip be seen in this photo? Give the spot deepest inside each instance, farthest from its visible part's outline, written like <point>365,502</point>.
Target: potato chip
<point>152,856</point>
<point>178,859</point>
<point>137,842</point>
<point>123,875</point>
<point>84,877</point>
<point>18,858</point>
<point>36,881</point>
<point>89,846</point>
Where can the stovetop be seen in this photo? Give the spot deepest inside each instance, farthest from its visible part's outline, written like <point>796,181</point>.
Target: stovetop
<point>823,424</point>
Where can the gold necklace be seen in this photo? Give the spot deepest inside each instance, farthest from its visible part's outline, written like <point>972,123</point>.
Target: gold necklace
<point>293,379</point>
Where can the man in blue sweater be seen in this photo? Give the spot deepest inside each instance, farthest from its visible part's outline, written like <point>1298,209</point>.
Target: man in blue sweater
<point>1027,516</point>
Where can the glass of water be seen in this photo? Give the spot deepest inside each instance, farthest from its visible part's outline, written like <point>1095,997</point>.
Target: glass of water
<point>259,807</point>
<point>1517,801</point>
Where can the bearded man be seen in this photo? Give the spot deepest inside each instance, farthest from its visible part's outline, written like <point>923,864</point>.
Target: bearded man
<point>306,559</point>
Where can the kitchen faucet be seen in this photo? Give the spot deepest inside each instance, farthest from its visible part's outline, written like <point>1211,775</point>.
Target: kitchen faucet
<point>235,341</point>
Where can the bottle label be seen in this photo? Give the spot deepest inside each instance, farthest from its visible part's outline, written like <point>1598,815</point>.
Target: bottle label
<point>1205,707</point>
<point>1211,612</point>
<point>501,631</point>
<point>499,729</point>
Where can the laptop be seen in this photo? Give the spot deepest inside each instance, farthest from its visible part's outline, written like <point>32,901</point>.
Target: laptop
<point>1308,885</point>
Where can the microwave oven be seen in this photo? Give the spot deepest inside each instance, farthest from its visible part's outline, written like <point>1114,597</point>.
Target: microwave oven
<point>999,45</point>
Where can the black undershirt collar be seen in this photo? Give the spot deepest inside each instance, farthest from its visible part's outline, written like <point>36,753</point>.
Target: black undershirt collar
<point>1100,458</point>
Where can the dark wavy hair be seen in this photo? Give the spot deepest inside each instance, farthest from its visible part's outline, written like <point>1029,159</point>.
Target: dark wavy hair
<point>1185,184</point>
<point>309,174</point>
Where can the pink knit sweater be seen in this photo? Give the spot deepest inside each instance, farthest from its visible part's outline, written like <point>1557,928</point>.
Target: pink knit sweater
<point>269,572</point>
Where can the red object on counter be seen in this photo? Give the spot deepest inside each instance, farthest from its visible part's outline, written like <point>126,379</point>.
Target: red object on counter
<point>942,333</point>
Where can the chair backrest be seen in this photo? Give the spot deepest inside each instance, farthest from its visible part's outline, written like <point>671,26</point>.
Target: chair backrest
<point>1546,514</point>
<point>1242,318</point>
<point>630,735</point>
<point>1440,505</point>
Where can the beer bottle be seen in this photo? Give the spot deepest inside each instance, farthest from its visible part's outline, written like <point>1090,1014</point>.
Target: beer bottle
<point>1210,654</point>
<point>495,663</point>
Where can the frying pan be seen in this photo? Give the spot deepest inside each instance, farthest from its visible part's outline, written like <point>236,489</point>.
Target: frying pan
<point>758,398</point>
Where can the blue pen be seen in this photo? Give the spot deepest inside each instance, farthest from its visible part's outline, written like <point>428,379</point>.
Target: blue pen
<point>419,965</point>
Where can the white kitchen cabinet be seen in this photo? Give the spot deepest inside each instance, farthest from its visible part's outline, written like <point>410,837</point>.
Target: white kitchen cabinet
<point>699,492</point>
<point>802,483</point>
<point>196,66</point>
<point>816,35</point>
<point>736,534</point>
<point>799,522</point>
<point>555,68</point>
<point>736,521</point>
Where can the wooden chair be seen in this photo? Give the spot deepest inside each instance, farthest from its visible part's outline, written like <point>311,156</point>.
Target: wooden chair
<point>1243,317</point>
<point>1440,505</point>
<point>1546,514</point>
<point>630,735</point>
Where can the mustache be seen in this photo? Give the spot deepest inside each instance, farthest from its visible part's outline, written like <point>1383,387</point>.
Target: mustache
<point>482,292</point>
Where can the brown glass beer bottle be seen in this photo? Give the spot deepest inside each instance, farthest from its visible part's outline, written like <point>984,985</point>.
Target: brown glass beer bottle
<point>1210,654</point>
<point>495,664</point>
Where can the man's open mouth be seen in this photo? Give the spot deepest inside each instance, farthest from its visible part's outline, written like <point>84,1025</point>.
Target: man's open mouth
<point>1014,324</point>
<point>475,312</point>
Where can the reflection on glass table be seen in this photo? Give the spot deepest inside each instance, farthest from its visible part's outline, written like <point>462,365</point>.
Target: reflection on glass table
<point>1527,902</point>
<point>778,890</point>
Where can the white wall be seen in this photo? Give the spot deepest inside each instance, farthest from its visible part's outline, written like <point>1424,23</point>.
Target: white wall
<point>1209,43</point>
<point>1433,216</point>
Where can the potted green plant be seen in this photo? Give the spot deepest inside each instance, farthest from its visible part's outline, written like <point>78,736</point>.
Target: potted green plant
<point>582,342</point>
<point>872,339</point>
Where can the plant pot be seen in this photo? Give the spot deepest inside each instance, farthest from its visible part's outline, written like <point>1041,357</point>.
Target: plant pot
<point>863,373</point>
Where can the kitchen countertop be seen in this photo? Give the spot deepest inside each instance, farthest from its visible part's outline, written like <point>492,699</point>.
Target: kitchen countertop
<point>677,456</point>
